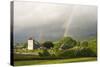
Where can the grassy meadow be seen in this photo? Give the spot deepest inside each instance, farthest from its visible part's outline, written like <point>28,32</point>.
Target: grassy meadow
<point>55,61</point>
<point>65,50</point>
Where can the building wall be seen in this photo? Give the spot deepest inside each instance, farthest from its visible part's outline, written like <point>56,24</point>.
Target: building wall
<point>30,44</point>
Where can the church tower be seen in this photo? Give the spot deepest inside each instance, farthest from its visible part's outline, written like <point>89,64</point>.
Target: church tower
<point>30,44</point>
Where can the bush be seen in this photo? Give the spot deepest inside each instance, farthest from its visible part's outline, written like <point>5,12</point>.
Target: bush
<point>67,54</point>
<point>44,53</point>
<point>84,44</point>
<point>87,52</point>
<point>48,44</point>
<point>78,52</point>
<point>67,43</point>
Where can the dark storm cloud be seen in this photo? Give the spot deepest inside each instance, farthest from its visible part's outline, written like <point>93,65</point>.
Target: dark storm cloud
<point>84,23</point>
<point>49,21</point>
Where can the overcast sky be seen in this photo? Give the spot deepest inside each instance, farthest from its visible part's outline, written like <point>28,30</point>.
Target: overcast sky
<point>49,21</point>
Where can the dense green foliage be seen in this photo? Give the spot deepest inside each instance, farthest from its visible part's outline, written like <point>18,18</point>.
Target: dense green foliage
<point>84,44</point>
<point>93,45</point>
<point>44,53</point>
<point>67,47</point>
<point>48,44</point>
<point>66,43</point>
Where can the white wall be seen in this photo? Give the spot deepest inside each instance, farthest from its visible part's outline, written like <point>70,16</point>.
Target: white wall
<point>30,45</point>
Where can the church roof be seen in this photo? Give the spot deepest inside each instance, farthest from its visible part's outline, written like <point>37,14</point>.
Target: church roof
<point>30,38</point>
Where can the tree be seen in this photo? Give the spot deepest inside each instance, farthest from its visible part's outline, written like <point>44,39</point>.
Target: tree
<point>67,42</point>
<point>84,44</point>
<point>48,44</point>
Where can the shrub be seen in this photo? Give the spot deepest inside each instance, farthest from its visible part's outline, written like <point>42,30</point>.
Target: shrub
<point>48,44</point>
<point>67,54</point>
<point>87,52</point>
<point>84,44</point>
<point>44,53</point>
<point>77,52</point>
<point>67,43</point>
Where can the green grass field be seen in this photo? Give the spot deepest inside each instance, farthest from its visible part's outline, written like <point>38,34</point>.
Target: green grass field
<point>38,62</point>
